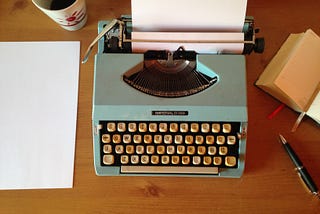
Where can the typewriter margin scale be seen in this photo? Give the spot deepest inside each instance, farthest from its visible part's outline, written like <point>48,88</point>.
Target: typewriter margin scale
<point>99,112</point>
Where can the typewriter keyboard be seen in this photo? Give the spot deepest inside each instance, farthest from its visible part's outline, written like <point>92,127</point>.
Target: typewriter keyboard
<point>169,147</point>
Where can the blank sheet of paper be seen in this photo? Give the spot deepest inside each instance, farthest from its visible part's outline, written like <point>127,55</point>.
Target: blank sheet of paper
<point>314,110</point>
<point>204,22</point>
<point>38,111</point>
<point>181,15</point>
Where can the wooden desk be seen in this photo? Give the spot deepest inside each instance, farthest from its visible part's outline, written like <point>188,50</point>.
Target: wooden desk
<point>269,184</point>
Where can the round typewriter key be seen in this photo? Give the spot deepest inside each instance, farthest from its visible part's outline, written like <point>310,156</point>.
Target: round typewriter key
<point>144,159</point>
<point>165,159</point>
<point>178,139</point>
<point>134,159</point>
<point>167,139</point>
<point>111,127</point>
<point>205,127</point>
<point>181,149</point>
<point>226,128</point>
<point>140,149</point>
<point>175,159</point>
<point>194,127</point>
<point>150,150</point>
<point>116,138</point>
<point>153,127</point>
<point>107,149</point>
<point>185,160</point>
<point>147,139</point>
<point>217,161</point>
<point>216,128</point>
<point>127,138</point>
<point>184,127</point>
<point>154,159</point>
<point>230,161</point>
<point>163,127</point>
<point>191,150</point>
<point>143,127</point>
<point>231,140</point>
<point>196,160</point>
<point>106,138</point>
<point>160,150</point>
<point>157,139</point>
<point>221,140</point>
<point>108,159</point>
<point>188,139</point>
<point>119,149</point>
<point>129,149</point>
<point>223,150</point>
<point>173,127</point>
<point>137,139</point>
<point>212,150</point>
<point>207,160</point>
<point>124,159</point>
<point>210,139</point>
<point>199,139</point>
<point>121,127</point>
<point>132,127</point>
<point>201,150</point>
<point>170,150</point>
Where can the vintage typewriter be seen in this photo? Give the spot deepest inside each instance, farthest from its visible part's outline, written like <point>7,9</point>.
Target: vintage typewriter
<point>168,113</point>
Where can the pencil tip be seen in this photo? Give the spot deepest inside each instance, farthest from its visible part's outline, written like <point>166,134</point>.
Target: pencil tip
<point>282,139</point>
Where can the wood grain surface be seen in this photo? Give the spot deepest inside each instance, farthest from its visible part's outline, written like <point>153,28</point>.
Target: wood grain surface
<point>269,184</point>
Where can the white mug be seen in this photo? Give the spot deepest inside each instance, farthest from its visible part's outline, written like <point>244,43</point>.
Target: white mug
<point>70,15</point>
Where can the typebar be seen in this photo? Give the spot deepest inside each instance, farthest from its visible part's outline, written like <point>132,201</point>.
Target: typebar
<point>169,170</point>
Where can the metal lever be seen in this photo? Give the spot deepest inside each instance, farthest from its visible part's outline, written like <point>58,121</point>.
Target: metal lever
<point>100,35</point>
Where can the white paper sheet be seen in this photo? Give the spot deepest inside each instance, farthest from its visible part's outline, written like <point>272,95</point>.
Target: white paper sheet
<point>200,42</point>
<point>314,110</point>
<point>187,16</point>
<point>38,110</point>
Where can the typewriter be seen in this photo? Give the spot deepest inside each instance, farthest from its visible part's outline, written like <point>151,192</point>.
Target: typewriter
<point>168,113</point>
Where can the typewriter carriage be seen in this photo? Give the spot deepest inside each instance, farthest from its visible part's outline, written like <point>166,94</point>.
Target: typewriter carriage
<point>167,74</point>
<point>118,39</point>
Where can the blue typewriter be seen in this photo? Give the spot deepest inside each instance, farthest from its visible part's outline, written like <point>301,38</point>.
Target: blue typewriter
<point>168,113</point>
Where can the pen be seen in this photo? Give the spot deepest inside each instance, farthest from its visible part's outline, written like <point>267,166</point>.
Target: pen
<point>302,171</point>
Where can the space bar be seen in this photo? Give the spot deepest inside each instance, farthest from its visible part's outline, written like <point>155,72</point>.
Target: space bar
<point>169,170</point>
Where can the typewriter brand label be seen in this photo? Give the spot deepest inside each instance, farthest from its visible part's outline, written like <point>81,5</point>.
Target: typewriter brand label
<point>170,113</point>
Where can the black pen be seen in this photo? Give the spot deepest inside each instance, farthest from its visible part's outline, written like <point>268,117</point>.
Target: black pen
<point>302,171</point>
